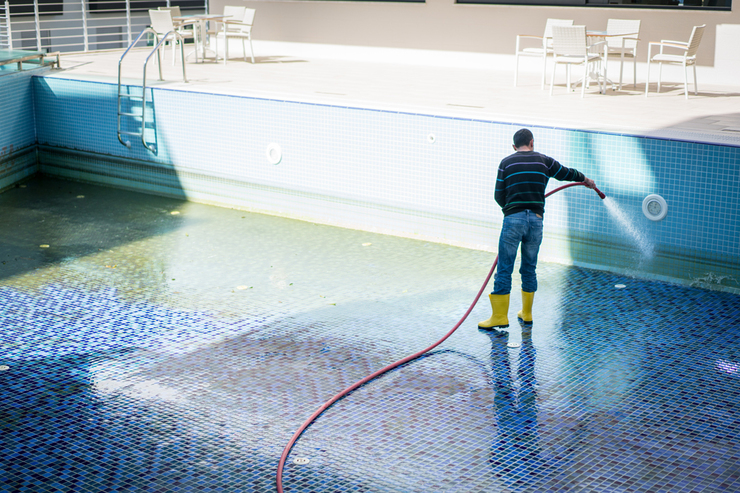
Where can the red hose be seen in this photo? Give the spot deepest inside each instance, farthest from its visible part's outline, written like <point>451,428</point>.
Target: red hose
<point>327,404</point>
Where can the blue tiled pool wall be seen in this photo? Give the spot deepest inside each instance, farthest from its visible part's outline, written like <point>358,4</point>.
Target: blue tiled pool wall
<point>410,174</point>
<point>17,129</point>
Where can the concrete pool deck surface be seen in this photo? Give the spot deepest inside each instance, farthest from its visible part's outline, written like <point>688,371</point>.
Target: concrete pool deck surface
<point>443,83</point>
<point>156,345</point>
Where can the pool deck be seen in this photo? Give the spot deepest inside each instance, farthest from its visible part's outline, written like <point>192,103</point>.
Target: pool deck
<point>475,86</point>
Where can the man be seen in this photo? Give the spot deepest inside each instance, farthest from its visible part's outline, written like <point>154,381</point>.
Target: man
<point>520,191</point>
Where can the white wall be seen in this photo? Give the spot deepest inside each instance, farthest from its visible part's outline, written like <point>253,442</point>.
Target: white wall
<point>444,25</point>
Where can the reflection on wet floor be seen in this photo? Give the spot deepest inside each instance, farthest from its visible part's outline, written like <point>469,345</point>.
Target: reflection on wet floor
<point>159,345</point>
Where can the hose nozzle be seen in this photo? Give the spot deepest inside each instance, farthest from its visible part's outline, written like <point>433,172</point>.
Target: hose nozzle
<point>602,196</point>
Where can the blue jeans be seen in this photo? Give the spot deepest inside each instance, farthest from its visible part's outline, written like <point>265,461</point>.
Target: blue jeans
<point>526,228</point>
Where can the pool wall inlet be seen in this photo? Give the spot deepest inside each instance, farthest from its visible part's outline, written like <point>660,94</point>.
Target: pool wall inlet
<point>417,175</point>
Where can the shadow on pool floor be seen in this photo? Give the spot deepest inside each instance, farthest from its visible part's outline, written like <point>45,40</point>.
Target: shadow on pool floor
<point>152,351</point>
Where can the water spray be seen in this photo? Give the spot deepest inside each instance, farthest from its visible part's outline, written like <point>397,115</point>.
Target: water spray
<point>328,404</point>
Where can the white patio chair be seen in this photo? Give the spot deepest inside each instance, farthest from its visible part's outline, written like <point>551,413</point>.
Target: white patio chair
<point>688,57</point>
<point>187,30</point>
<point>174,11</point>
<point>570,47</point>
<point>234,12</point>
<point>624,46</point>
<point>239,29</point>
<point>161,22</point>
<point>543,50</point>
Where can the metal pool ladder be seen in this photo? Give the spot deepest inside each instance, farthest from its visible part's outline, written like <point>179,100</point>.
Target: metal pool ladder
<point>142,97</point>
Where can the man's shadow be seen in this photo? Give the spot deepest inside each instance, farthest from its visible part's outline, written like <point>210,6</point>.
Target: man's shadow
<point>516,454</point>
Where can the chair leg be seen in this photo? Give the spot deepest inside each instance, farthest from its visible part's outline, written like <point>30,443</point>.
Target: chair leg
<point>586,79</point>
<point>552,78</point>
<point>516,69</point>
<point>159,54</point>
<point>621,70</point>
<point>603,88</point>
<point>244,50</point>
<point>226,47</point>
<point>251,48</point>
<point>696,88</point>
<point>634,68</point>
<point>647,78</point>
<point>196,37</point>
<point>544,69</point>
<point>660,75</point>
<point>685,80</point>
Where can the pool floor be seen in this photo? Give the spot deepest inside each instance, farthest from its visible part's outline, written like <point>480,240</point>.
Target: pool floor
<point>156,345</point>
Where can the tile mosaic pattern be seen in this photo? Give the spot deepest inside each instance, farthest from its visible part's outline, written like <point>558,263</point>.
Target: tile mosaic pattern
<point>382,171</point>
<point>17,127</point>
<point>158,345</point>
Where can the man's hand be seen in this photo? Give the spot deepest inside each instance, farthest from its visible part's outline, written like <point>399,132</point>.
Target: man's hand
<point>589,183</point>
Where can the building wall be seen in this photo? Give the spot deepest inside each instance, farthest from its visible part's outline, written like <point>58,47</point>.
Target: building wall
<point>382,171</point>
<point>445,25</point>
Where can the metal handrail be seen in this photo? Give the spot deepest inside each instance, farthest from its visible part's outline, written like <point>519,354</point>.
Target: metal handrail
<point>177,37</point>
<point>143,103</point>
<point>159,64</point>
<point>39,23</point>
<point>9,31</point>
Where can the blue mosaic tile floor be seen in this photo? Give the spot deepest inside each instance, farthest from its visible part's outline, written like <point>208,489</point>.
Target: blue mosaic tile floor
<point>162,346</point>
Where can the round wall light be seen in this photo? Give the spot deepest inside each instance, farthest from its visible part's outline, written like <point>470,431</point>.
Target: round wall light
<point>274,154</point>
<point>654,207</point>
<point>431,138</point>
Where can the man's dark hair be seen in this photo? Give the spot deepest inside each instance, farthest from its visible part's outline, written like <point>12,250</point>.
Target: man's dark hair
<point>523,137</point>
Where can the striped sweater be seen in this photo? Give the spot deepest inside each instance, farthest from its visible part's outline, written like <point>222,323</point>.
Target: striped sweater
<point>522,178</point>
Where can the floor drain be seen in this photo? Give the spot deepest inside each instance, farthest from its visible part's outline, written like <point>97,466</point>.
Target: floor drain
<point>513,344</point>
<point>4,367</point>
<point>301,461</point>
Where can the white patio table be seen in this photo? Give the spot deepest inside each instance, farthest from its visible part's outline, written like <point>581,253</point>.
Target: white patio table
<point>202,19</point>
<point>595,37</point>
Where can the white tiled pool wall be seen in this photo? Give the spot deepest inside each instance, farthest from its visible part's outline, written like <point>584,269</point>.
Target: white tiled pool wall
<point>416,175</point>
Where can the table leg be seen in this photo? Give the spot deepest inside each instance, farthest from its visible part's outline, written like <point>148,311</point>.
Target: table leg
<point>195,42</point>
<point>203,35</point>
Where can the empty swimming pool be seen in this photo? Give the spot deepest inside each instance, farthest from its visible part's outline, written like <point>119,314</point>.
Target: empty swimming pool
<point>152,344</point>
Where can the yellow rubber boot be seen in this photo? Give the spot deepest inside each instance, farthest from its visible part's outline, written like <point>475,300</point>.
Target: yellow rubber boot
<point>525,315</point>
<point>500,306</point>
